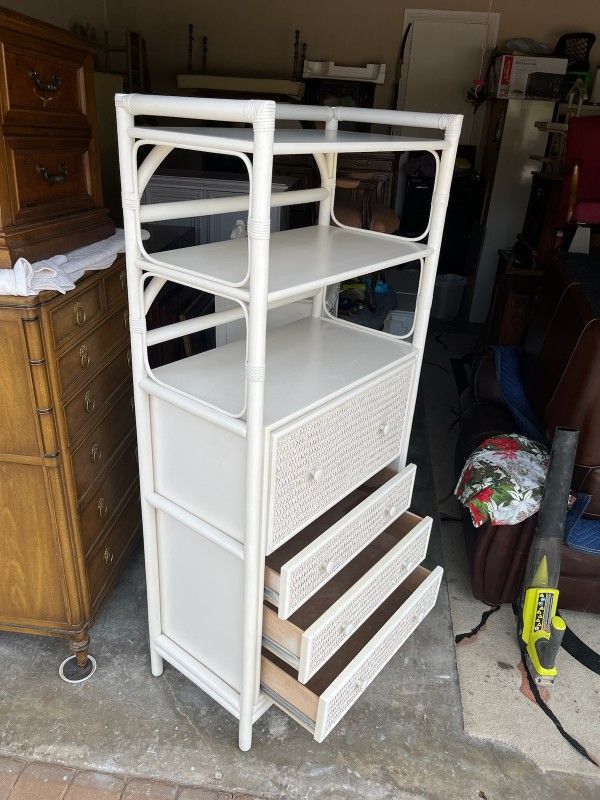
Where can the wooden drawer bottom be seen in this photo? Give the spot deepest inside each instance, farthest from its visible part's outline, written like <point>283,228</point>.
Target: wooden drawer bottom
<point>322,702</point>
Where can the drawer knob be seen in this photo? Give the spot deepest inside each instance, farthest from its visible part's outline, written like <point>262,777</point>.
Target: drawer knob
<point>108,556</point>
<point>84,356</point>
<point>79,315</point>
<point>42,87</point>
<point>122,280</point>
<point>102,508</point>
<point>129,358</point>
<point>329,567</point>
<point>315,474</point>
<point>126,319</point>
<point>348,629</point>
<point>89,401</point>
<point>361,685</point>
<point>385,429</point>
<point>391,511</point>
<point>52,178</point>
<point>96,453</point>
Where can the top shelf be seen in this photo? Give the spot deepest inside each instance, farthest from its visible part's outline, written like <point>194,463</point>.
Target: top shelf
<point>287,141</point>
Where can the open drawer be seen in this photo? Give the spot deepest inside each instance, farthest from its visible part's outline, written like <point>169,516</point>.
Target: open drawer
<point>320,627</point>
<point>302,565</point>
<point>321,703</point>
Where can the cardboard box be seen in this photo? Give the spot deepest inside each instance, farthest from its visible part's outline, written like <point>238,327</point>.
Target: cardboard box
<point>531,77</point>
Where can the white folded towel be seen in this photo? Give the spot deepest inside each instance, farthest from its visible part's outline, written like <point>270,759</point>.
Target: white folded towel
<point>59,273</point>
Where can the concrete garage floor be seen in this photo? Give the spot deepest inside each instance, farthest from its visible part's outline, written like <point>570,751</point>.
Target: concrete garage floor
<point>403,739</point>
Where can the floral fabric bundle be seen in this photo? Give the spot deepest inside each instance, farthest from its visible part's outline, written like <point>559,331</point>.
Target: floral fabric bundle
<point>503,480</point>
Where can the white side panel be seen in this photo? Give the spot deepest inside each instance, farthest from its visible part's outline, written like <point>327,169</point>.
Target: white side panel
<point>201,598</point>
<point>199,466</point>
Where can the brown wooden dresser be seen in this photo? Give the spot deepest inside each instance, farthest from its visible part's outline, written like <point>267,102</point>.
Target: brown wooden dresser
<point>50,189</point>
<point>69,499</point>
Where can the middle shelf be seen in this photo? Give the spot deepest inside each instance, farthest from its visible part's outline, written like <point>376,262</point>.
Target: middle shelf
<point>308,362</point>
<point>301,260</point>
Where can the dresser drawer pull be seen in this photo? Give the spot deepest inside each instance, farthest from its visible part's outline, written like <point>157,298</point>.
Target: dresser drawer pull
<point>385,429</point>
<point>108,556</point>
<point>126,319</point>
<point>123,280</point>
<point>315,474</point>
<point>89,401</point>
<point>129,359</point>
<point>84,356</point>
<point>361,686</point>
<point>52,178</point>
<point>391,511</point>
<point>96,453</point>
<point>51,87</point>
<point>102,508</point>
<point>79,315</point>
<point>347,630</point>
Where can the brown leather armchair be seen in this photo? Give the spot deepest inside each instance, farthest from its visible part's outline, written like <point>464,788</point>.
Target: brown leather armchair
<point>562,381</point>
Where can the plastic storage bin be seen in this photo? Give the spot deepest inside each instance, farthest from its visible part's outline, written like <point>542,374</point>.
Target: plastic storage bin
<point>448,296</point>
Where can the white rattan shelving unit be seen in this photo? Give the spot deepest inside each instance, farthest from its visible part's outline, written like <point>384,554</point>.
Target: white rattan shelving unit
<point>273,472</point>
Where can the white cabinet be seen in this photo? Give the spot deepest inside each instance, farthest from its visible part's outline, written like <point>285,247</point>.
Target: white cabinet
<point>283,566</point>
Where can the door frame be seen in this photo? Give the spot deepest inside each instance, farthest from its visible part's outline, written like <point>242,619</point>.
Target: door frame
<point>411,15</point>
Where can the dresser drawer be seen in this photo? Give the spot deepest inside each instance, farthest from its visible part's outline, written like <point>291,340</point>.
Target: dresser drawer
<point>105,560</point>
<point>84,358</point>
<point>94,454</point>
<point>91,400</point>
<point>301,566</point>
<point>322,702</point>
<point>310,637</point>
<point>115,285</point>
<point>99,510</point>
<point>76,314</point>
<point>48,177</point>
<point>323,456</point>
<point>41,87</point>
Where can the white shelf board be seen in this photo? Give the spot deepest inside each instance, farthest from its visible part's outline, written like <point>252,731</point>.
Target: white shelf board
<point>288,141</point>
<point>300,260</point>
<point>307,363</point>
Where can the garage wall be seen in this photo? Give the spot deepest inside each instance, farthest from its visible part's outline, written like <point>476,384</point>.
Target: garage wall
<point>256,36</point>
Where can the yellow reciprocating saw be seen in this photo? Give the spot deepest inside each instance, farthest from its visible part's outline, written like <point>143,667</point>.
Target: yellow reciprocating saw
<point>540,628</point>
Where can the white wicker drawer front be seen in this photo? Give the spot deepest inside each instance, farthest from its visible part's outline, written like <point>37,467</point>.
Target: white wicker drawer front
<point>305,573</point>
<point>321,703</point>
<point>352,682</point>
<point>345,616</point>
<point>323,456</point>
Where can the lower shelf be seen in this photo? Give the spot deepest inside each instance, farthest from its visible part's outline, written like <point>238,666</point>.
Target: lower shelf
<point>322,702</point>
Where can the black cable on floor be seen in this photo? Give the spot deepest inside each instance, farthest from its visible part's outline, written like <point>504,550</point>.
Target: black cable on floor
<point>484,618</point>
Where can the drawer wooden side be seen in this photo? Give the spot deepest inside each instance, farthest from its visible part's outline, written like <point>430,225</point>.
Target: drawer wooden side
<point>321,703</point>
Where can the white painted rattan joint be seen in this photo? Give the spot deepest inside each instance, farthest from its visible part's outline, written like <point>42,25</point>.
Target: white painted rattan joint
<point>130,200</point>
<point>328,183</point>
<point>261,113</point>
<point>136,325</point>
<point>258,229</point>
<point>255,372</point>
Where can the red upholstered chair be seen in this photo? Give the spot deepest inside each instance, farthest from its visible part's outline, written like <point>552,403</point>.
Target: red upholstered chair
<point>580,203</point>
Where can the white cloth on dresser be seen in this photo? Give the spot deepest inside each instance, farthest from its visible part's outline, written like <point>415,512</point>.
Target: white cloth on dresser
<point>59,273</point>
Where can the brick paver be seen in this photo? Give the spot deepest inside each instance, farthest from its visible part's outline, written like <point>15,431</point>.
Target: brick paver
<point>38,781</point>
<point>95,786</point>
<point>9,772</point>
<point>149,790</point>
<point>47,781</point>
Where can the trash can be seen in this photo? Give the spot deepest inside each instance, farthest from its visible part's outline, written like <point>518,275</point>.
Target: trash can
<point>447,296</point>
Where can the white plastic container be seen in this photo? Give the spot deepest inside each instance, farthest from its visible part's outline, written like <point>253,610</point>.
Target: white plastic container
<point>399,322</point>
<point>447,296</point>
